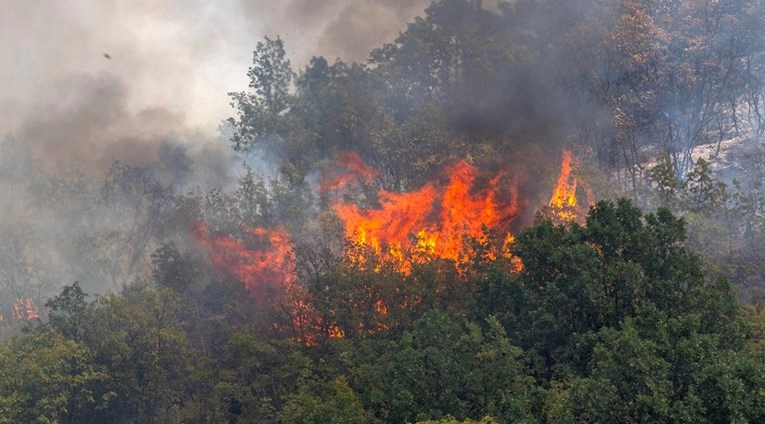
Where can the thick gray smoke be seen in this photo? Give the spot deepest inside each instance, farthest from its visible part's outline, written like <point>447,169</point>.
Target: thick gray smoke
<point>99,80</point>
<point>86,119</point>
<point>337,28</point>
<point>108,104</point>
<point>174,59</point>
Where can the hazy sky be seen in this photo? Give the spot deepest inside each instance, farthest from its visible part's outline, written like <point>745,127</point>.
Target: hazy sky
<point>172,63</point>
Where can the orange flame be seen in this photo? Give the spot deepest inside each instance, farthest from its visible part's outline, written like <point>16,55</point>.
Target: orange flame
<point>25,309</point>
<point>349,168</point>
<point>264,260</point>
<point>564,193</point>
<point>563,203</point>
<point>434,221</point>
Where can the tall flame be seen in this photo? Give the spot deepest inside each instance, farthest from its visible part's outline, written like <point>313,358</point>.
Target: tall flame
<point>564,193</point>
<point>435,220</point>
<point>439,220</point>
<point>563,206</point>
<point>25,309</point>
<point>263,261</point>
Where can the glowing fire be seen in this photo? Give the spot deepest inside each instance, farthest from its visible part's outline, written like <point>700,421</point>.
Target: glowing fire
<point>439,220</point>
<point>25,309</point>
<point>349,168</point>
<point>563,202</point>
<point>564,193</point>
<point>264,259</point>
<point>435,221</point>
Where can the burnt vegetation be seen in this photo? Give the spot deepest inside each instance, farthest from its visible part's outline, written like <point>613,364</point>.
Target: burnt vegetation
<point>257,302</point>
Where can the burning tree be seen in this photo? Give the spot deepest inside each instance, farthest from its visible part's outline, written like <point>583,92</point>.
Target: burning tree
<point>436,221</point>
<point>444,228</point>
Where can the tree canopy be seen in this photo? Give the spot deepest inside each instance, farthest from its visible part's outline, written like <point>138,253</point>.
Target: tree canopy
<point>256,303</point>
<point>612,321</point>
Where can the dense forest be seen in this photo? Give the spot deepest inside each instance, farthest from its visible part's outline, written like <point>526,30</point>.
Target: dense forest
<point>502,216</point>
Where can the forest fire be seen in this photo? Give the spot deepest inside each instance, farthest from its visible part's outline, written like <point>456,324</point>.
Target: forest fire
<point>265,263</point>
<point>435,221</point>
<point>564,193</point>
<point>349,168</point>
<point>448,218</point>
<point>438,220</point>
<point>264,259</point>
<point>25,309</point>
<point>563,202</point>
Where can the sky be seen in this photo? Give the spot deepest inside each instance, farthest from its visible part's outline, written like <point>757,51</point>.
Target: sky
<point>169,68</point>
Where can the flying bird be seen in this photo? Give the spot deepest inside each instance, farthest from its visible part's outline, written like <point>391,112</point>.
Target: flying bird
<point>107,55</point>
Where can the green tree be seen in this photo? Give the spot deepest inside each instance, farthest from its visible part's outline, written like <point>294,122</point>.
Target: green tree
<point>452,420</point>
<point>258,113</point>
<point>140,339</point>
<point>68,312</point>
<point>46,378</point>
<point>702,193</point>
<point>170,269</point>
<point>620,323</point>
<point>666,182</point>
<point>577,280</point>
<point>257,379</point>
<point>339,405</point>
<point>444,366</point>
<point>271,75</point>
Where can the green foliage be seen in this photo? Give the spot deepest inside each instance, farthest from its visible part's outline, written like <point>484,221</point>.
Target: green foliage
<point>257,378</point>
<point>444,367</point>
<point>140,338</point>
<point>653,356</point>
<point>425,100</point>
<point>612,321</point>
<point>46,378</point>
<point>578,280</point>
<point>168,269</point>
<point>452,420</point>
<point>271,75</point>
<point>698,193</point>
<point>67,312</point>
<point>339,404</point>
<point>724,222</point>
<point>702,193</point>
<point>666,181</point>
<point>259,112</point>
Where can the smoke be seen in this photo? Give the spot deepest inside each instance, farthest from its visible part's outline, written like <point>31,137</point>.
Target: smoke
<point>183,56</point>
<point>86,118</point>
<point>343,29</point>
<point>94,81</point>
<point>350,30</point>
<point>331,28</point>
<point>99,90</point>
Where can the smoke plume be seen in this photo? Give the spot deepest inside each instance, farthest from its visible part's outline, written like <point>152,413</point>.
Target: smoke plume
<point>109,104</point>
